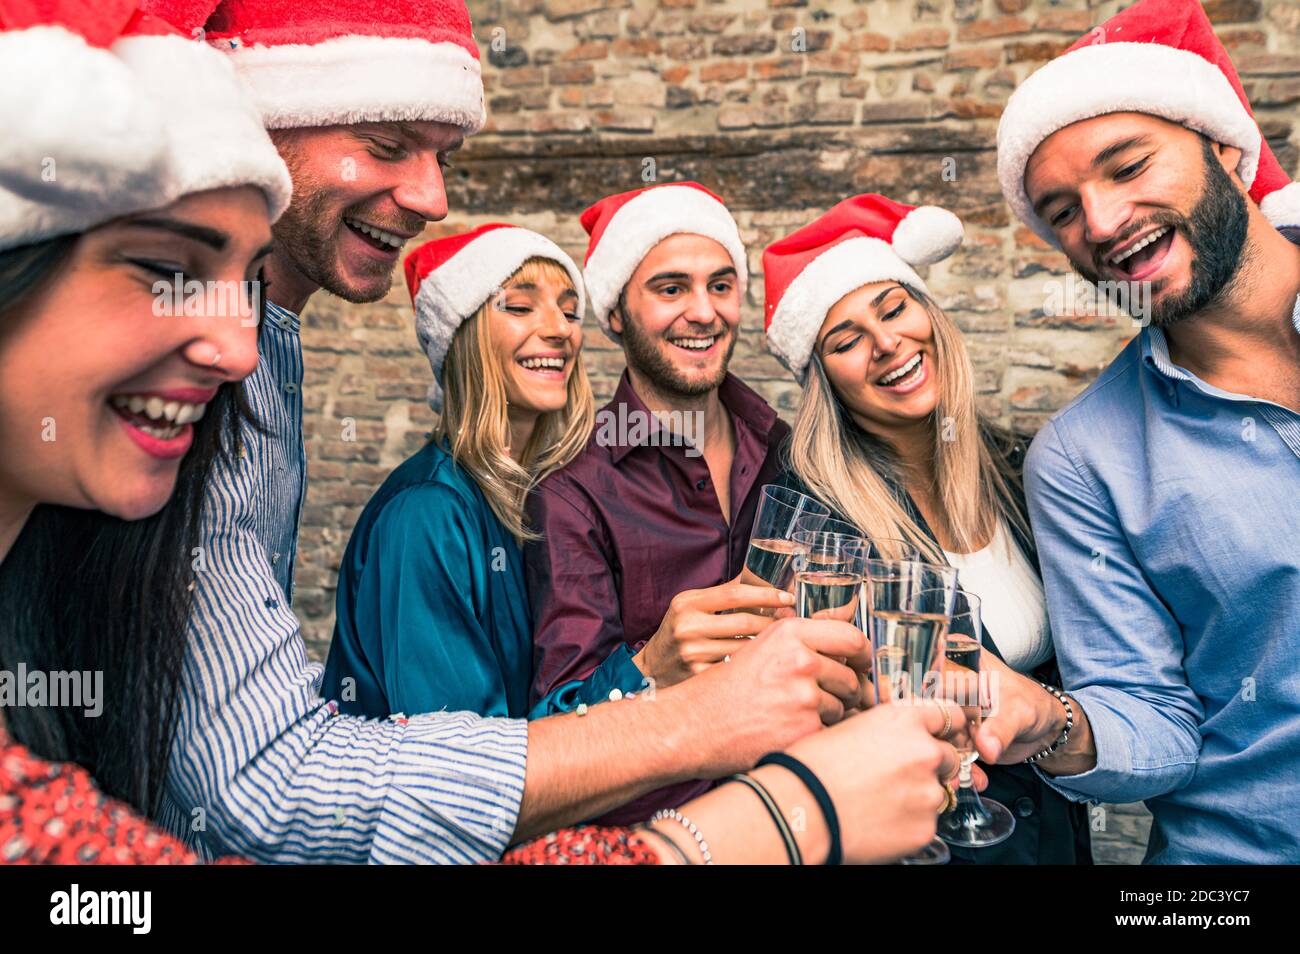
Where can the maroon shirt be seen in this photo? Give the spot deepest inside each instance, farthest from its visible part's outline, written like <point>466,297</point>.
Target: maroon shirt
<point>627,527</point>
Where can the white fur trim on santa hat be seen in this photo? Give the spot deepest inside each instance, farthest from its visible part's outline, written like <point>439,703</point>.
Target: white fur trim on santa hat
<point>1152,78</point>
<point>215,137</point>
<point>1282,206</point>
<point>452,293</point>
<point>825,280</point>
<point>80,144</point>
<point>642,223</point>
<point>355,79</point>
<point>927,234</point>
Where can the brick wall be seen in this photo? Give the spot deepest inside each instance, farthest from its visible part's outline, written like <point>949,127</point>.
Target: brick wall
<point>783,107</point>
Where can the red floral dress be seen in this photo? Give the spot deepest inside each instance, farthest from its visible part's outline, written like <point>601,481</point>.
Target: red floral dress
<point>53,813</point>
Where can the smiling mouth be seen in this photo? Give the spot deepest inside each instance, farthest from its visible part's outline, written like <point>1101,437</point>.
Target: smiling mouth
<point>550,366</point>
<point>163,420</point>
<point>694,344</point>
<point>376,238</point>
<point>903,375</point>
<point>1143,255</point>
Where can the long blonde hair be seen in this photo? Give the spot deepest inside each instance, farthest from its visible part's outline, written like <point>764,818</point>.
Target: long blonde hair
<point>475,422</point>
<point>856,472</point>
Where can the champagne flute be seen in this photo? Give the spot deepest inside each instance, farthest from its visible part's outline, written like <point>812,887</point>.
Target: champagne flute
<point>828,575</point>
<point>909,607</point>
<point>772,548</point>
<point>974,822</point>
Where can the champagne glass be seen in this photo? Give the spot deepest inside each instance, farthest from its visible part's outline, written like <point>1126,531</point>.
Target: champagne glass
<point>974,822</point>
<point>909,607</point>
<point>892,548</point>
<point>828,575</point>
<point>772,548</point>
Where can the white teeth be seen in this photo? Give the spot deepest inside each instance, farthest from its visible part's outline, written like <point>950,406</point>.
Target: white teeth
<point>535,363</point>
<point>388,238</point>
<point>695,344</point>
<point>906,369</point>
<point>1138,246</point>
<point>176,413</point>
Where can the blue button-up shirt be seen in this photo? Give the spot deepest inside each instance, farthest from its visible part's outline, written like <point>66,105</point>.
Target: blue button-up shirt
<point>1167,515</point>
<point>262,765</point>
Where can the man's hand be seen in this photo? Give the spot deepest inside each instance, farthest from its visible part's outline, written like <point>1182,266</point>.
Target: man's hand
<point>784,685</point>
<point>701,629</point>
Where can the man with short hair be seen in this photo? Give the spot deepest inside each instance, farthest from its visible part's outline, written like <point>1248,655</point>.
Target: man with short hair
<point>1164,498</point>
<point>261,764</point>
<point>645,533</point>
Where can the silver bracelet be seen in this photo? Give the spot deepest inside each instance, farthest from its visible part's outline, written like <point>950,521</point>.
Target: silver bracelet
<point>689,825</point>
<point>1065,733</point>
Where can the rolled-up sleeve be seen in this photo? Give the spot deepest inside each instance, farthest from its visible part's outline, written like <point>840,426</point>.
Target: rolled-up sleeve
<point>577,628</point>
<point>263,766</point>
<point>1120,650</point>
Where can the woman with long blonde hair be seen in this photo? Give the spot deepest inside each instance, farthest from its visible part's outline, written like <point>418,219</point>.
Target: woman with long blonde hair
<point>432,609</point>
<point>888,436</point>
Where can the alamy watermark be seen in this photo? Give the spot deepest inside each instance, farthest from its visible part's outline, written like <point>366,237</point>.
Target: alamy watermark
<point>630,427</point>
<point>1078,296</point>
<point>58,689</point>
<point>196,299</point>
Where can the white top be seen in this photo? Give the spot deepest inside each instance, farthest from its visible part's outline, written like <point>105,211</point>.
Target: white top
<point>1011,597</point>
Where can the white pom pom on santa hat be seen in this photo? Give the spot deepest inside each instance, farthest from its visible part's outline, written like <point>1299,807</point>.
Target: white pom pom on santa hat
<point>864,239</point>
<point>451,278</point>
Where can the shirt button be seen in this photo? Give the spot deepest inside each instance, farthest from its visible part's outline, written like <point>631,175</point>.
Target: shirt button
<point>275,558</point>
<point>1024,806</point>
<point>699,484</point>
<point>290,387</point>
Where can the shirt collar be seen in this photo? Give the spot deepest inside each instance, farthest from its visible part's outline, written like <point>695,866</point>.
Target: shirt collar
<point>740,400</point>
<point>282,318</point>
<point>1155,351</point>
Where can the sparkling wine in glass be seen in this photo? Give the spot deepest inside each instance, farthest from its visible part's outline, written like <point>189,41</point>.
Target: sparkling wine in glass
<point>828,575</point>
<point>781,513</point>
<point>974,822</point>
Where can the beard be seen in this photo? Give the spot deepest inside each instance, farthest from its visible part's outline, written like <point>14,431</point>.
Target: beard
<point>643,355</point>
<point>1215,230</point>
<point>307,233</point>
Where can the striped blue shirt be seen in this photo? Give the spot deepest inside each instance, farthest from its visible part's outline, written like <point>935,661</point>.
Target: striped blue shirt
<point>262,765</point>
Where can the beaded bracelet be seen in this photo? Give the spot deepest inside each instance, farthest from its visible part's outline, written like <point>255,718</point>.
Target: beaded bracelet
<point>1065,733</point>
<point>689,825</point>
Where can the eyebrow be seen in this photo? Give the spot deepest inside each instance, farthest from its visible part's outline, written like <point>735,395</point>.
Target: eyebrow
<point>531,286</point>
<point>685,277</point>
<point>1099,160</point>
<point>410,132</point>
<point>214,239</point>
<point>848,322</point>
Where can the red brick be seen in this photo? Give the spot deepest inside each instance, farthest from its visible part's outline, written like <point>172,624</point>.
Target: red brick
<point>988,29</point>
<point>1237,39</point>
<point>675,74</point>
<point>963,107</point>
<point>744,44</point>
<point>789,67</point>
<point>627,120</point>
<point>592,50</point>
<point>1027,239</point>
<point>723,72</point>
<point>978,58</point>
<point>1012,6</point>
<point>866,43</point>
<point>710,22</point>
<point>1039,51</point>
<point>566,74</point>
<point>834,64</point>
<point>679,4</point>
<point>903,111</point>
<point>638,47</point>
<point>524,76</point>
<point>1064,21</point>
<point>686,49</point>
<point>929,38</point>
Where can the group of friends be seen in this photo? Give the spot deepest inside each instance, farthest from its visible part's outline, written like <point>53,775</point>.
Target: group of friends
<point>546,649</point>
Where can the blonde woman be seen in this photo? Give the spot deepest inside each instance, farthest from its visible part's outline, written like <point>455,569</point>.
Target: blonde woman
<point>432,610</point>
<point>888,437</point>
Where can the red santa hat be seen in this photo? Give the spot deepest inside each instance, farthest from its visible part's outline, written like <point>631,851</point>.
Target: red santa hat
<point>336,62</point>
<point>451,278</point>
<point>625,227</point>
<point>1159,57</point>
<point>119,114</point>
<point>864,239</point>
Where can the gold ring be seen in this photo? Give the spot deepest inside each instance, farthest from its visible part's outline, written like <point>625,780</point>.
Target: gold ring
<point>949,798</point>
<point>947,722</point>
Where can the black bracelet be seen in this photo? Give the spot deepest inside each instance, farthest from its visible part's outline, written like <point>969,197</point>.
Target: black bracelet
<point>672,845</point>
<point>814,785</point>
<point>782,827</point>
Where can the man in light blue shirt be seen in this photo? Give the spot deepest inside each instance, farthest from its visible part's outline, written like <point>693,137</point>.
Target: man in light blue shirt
<point>1165,499</point>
